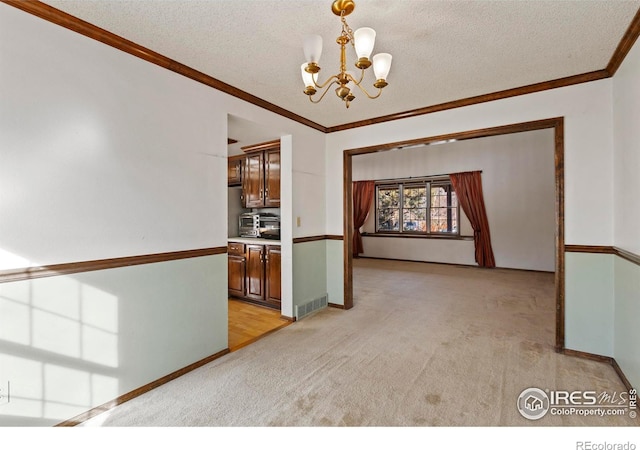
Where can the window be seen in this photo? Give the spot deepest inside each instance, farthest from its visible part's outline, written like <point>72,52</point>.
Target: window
<point>424,206</point>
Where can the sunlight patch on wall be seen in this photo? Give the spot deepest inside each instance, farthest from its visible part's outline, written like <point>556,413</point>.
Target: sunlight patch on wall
<point>10,260</point>
<point>58,348</point>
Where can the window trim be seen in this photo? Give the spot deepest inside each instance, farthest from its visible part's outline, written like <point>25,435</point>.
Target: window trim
<point>427,183</point>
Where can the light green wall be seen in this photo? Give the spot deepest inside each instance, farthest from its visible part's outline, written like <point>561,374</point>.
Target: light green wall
<point>318,270</point>
<point>627,319</point>
<point>71,343</point>
<point>602,301</point>
<point>335,271</point>
<point>589,303</point>
<point>309,271</point>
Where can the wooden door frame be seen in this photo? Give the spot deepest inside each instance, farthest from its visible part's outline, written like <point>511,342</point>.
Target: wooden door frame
<point>557,124</point>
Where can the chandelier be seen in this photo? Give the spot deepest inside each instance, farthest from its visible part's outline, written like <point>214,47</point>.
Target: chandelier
<point>362,40</point>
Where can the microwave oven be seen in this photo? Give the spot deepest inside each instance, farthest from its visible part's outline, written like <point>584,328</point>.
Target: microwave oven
<point>265,225</point>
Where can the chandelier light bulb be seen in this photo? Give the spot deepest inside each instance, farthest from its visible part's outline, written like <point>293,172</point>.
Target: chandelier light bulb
<point>307,78</point>
<point>312,48</point>
<point>365,39</point>
<point>381,65</point>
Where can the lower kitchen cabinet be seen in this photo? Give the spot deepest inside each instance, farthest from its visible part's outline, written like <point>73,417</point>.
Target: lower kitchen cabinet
<point>237,269</point>
<point>254,273</point>
<point>272,274</point>
<point>237,266</point>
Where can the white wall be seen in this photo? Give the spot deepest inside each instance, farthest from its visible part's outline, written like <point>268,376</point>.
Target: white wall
<point>105,155</point>
<point>588,149</point>
<point>588,157</point>
<point>626,113</point>
<point>87,134</point>
<point>518,179</point>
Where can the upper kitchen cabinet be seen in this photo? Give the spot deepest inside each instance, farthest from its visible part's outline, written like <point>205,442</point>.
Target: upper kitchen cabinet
<point>261,175</point>
<point>272,177</point>
<point>234,172</point>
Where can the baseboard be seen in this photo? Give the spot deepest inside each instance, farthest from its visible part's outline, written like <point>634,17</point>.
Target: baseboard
<point>139,391</point>
<point>450,264</point>
<point>621,374</point>
<point>587,355</point>
<point>335,305</point>
<point>605,359</point>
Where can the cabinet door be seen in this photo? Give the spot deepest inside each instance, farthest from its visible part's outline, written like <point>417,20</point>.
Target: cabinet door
<point>237,275</point>
<point>272,277</point>
<point>272,178</point>
<point>253,181</point>
<point>255,272</point>
<point>234,171</point>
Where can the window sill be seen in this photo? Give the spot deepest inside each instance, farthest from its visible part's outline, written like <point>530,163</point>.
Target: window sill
<point>452,237</point>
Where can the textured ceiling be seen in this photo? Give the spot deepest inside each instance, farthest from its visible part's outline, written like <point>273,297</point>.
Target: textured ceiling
<point>442,50</point>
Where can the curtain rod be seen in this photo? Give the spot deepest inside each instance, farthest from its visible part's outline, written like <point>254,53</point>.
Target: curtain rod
<point>426,177</point>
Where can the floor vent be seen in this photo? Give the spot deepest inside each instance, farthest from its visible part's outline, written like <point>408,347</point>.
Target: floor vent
<point>310,307</point>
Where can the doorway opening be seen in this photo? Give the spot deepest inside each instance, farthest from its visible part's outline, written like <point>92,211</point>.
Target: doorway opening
<point>254,233</point>
<point>556,124</point>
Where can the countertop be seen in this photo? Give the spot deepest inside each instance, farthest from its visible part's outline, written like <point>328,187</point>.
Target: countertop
<point>247,240</point>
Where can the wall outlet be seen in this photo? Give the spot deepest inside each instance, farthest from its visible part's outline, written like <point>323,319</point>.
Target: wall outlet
<point>298,221</point>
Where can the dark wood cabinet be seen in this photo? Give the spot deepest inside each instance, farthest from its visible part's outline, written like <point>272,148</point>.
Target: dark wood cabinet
<point>261,176</point>
<point>234,170</point>
<point>272,274</point>
<point>253,181</point>
<point>237,269</point>
<point>272,178</point>
<point>254,273</point>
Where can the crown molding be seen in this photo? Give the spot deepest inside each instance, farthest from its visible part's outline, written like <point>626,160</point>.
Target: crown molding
<point>53,15</point>
<point>630,37</point>
<point>87,29</point>
<point>523,90</point>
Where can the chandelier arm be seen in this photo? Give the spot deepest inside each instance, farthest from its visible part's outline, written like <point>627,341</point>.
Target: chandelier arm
<point>332,79</point>
<point>325,91</point>
<point>357,82</point>
<point>369,95</point>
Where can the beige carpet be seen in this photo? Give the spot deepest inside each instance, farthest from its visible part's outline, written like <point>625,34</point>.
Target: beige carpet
<point>425,345</point>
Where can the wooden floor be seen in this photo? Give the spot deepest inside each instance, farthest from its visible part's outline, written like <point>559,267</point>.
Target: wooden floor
<point>249,322</point>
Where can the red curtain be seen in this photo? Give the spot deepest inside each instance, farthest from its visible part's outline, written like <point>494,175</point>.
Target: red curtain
<point>468,187</point>
<point>362,199</point>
